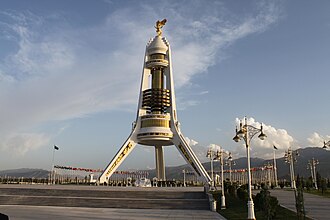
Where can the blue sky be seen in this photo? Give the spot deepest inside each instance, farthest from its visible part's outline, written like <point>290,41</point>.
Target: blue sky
<point>70,74</point>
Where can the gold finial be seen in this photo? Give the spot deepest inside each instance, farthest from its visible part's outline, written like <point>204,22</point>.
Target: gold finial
<point>159,25</point>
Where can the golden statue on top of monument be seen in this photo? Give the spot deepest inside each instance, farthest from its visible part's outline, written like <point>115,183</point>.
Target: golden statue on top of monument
<point>159,25</point>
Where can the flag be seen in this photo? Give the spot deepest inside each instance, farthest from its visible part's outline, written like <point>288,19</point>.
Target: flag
<point>56,147</point>
<point>275,147</point>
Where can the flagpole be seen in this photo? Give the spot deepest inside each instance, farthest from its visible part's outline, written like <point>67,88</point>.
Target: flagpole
<point>52,172</point>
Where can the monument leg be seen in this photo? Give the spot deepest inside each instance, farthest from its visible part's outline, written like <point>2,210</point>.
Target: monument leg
<point>191,158</point>
<point>123,152</point>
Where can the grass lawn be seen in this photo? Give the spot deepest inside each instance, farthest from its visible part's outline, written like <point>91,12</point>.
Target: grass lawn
<point>326,193</point>
<point>237,209</point>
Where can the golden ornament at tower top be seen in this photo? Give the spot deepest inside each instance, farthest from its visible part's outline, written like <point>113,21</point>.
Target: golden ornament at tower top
<point>159,25</point>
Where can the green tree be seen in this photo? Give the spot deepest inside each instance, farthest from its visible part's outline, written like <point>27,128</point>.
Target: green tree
<point>309,183</point>
<point>231,189</point>
<point>298,182</point>
<point>323,185</point>
<point>242,192</point>
<point>266,203</point>
<point>318,180</point>
<point>300,206</point>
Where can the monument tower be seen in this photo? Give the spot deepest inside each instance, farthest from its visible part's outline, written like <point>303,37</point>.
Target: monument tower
<point>156,121</point>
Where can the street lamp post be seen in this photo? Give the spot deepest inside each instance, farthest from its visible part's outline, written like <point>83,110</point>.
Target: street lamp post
<point>184,177</point>
<point>247,132</point>
<point>309,167</point>
<point>326,144</point>
<point>312,165</point>
<point>219,156</point>
<point>210,156</point>
<point>230,163</point>
<point>269,167</point>
<point>274,167</point>
<point>290,158</point>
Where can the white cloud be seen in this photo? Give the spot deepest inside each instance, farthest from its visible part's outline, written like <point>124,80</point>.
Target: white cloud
<point>214,147</point>
<point>199,151</point>
<point>264,148</point>
<point>191,142</point>
<point>203,92</point>
<point>60,72</point>
<point>316,140</point>
<point>184,104</point>
<point>19,144</point>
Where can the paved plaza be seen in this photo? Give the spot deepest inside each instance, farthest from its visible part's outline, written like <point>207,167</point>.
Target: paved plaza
<point>316,207</point>
<point>32,193</point>
<point>75,213</point>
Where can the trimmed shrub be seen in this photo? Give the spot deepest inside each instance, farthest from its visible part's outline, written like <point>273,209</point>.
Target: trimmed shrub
<point>242,193</point>
<point>266,203</point>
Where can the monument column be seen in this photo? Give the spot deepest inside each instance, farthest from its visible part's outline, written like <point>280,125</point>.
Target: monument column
<point>160,163</point>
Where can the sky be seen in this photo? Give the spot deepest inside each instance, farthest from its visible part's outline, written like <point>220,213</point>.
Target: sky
<point>70,73</point>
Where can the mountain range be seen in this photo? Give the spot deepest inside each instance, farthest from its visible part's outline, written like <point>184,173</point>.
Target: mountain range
<point>283,170</point>
<point>305,154</point>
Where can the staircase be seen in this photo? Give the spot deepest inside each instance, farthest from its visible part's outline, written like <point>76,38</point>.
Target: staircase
<point>109,197</point>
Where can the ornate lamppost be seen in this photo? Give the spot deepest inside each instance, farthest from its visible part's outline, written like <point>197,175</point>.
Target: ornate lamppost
<point>326,144</point>
<point>290,158</point>
<point>210,155</point>
<point>219,156</point>
<point>230,163</point>
<point>312,166</point>
<point>269,167</point>
<point>274,167</point>
<point>184,177</point>
<point>247,132</point>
